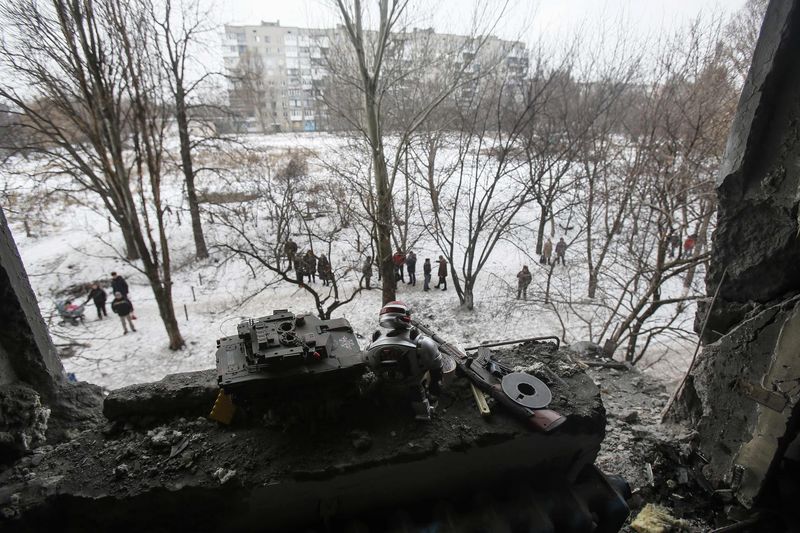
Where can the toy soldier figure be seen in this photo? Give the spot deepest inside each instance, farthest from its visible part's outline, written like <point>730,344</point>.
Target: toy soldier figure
<point>400,355</point>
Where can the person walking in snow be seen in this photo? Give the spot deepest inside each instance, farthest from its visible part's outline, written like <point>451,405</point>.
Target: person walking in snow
<point>398,259</point>
<point>688,246</point>
<point>124,308</point>
<point>366,269</point>
<point>442,273</point>
<point>118,284</point>
<point>98,297</point>
<point>411,268</point>
<point>324,270</point>
<point>426,273</point>
<point>547,252</point>
<point>524,278</point>
<point>674,245</point>
<point>561,249</point>
<point>310,266</point>
<point>290,249</point>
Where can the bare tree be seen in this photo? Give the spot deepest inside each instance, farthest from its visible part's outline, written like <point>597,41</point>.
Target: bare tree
<point>482,199</point>
<point>371,62</point>
<point>177,35</point>
<point>91,102</point>
<point>282,195</point>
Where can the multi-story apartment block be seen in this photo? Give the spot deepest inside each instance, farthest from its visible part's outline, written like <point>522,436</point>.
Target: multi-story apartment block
<point>277,73</point>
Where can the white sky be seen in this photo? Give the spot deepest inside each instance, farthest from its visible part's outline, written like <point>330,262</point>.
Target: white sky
<point>529,19</point>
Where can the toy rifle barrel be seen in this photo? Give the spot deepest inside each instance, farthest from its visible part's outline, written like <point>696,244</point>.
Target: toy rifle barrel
<point>542,419</point>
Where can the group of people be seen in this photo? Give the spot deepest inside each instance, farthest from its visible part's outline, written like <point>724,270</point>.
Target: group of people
<point>674,242</point>
<point>120,305</point>
<point>547,252</point>
<point>307,265</point>
<point>406,263</point>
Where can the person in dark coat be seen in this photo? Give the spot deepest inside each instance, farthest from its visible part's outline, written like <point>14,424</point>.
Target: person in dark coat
<point>426,272</point>
<point>324,270</point>
<point>411,268</point>
<point>366,269</point>
<point>561,249</point>
<point>310,266</point>
<point>98,296</point>
<point>118,284</point>
<point>124,308</point>
<point>442,273</point>
<point>290,249</point>
<point>300,267</point>
<point>674,244</point>
<point>524,278</point>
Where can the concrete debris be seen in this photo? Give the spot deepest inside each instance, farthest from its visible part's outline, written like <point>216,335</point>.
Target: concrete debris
<point>656,519</point>
<point>632,417</point>
<point>23,421</point>
<point>186,394</point>
<point>361,440</point>
<point>121,471</point>
<point>178,448</point>
<point>162,438</point>
<point>223,475</point>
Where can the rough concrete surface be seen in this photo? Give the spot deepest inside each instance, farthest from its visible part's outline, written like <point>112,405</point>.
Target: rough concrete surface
<point>369,453</point>
<point>755,242</point>
<point>189,393</point>
<point>26,345</point>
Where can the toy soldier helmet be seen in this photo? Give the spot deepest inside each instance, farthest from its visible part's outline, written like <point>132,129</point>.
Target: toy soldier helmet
<point>395,315</point>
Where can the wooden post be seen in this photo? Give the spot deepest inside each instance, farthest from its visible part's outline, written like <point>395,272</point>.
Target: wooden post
<point>186,312</point>
<point>194,298</point>
<point>109,224</point>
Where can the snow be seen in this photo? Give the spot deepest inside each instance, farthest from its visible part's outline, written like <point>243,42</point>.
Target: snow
<point>74,245</point>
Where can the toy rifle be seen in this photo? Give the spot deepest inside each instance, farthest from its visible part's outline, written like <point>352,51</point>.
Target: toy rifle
<point>483,372</point>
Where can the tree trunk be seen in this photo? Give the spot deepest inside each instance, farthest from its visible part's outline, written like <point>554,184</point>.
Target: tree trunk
<point>131,251</point>
<point>201,250</point>
<point>383,211</point>
<point>167,311</point>
<point>592,282</point>
<point>540,232</point>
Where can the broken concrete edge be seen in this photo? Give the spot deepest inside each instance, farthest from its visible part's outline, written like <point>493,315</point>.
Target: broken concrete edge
<point>737,432</point>
<point>186,393</point>
<point>369,452</point>
<point>27,346</point>
<point>27,422</point>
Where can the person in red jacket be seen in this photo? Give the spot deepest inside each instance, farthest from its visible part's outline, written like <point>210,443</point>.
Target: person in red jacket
<point>688,246</point>
<point>399,259</point>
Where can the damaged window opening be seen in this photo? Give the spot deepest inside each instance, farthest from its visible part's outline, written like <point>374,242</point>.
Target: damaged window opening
<point>211,317</point>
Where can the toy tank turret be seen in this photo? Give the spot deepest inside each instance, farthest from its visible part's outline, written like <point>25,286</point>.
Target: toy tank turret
<point>283,349</point>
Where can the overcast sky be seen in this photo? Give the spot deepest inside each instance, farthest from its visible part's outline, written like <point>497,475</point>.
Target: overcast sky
<point>530,19</point>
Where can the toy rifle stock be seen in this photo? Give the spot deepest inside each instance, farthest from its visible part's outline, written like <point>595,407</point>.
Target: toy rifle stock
<point>542,419</point>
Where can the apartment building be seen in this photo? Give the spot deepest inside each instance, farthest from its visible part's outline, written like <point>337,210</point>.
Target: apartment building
<point>277,74</point>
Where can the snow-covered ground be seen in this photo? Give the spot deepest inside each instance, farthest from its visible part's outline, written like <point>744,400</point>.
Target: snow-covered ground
<point>211,296</point>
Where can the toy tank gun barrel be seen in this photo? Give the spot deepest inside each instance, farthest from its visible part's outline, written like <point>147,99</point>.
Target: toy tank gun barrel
<point>541,419</point>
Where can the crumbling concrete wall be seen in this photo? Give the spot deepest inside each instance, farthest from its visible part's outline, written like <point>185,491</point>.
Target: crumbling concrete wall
<point>25,345</point>
<point>738,392</point>
<point>35,400</point>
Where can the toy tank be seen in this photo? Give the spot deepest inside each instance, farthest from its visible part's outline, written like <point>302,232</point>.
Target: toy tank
<point>284,349</point>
